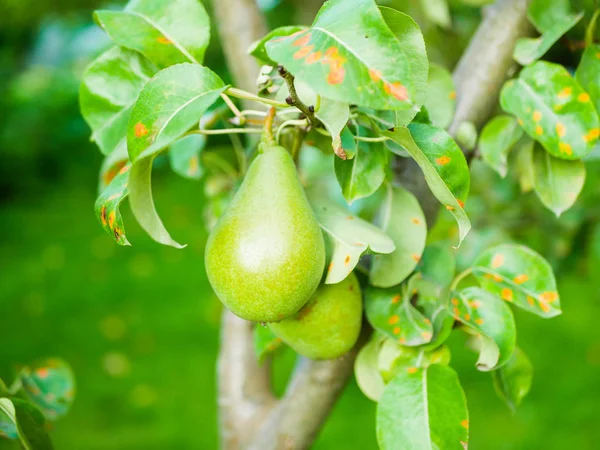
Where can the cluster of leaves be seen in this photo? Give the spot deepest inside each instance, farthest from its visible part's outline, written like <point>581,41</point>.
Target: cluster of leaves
<point>39,395</point>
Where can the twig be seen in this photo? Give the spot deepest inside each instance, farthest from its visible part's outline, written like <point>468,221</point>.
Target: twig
<point>239,93</point>
<point>228,131</point>
<point>294,99</point>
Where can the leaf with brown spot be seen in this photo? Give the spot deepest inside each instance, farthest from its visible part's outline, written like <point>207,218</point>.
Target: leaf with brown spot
<point>108,204</point>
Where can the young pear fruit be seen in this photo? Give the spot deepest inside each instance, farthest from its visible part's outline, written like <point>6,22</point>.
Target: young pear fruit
<point>328,325</point>
<point>266,255</point>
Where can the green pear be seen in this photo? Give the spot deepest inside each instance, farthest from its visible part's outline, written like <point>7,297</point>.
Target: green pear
<point>328,325</point>
<point>266,255</point>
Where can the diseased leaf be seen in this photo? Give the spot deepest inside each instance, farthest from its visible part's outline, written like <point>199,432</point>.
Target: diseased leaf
<point>402,218</point>
<point>112,164</point>
<point>497,138</point>
<point>108,204</point>
<point>513,380</point>
<point>438,264</point>
<point>491,320</point>
<point>443,164</point>
<point>257,48</point>
<point>184,156</point>
<point>588,75</point>
<point>441,96</point>
<point>347,236</point>
<point>431,299</point>
<point>265,342</point>
<point>519,275</point>
<point>366,369</point>
<point>166,32</point>
<point>528,50</point>
<point>109,88</point>
<point>394,357</point>
<point>423,409</point>
<point>556,182</point>
<point>335,56</point>
<point>553,109</point>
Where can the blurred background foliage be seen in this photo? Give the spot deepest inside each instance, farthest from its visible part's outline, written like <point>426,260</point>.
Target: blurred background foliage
<point>139,325</point>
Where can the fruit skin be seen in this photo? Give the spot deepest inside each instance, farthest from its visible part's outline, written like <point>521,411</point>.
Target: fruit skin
<point>266,255</point>
<point>328,325</point>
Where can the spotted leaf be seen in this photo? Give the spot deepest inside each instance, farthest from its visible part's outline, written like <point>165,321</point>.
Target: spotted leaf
<point>395,357</point>
<point>109,88</point>
<point>528,50</point>
<point>366,369</point>
<point>553,109</point>
<point>112,165</point>
<point>50,385</point>
<point>184,156</point>
<point>492,322</point>
<point>391,312</point>
<point>257,49</point>
<point>588,75</point>
<point>402,218</point>
<point>431,299</point>
<point>108,204</point>
<point>28,422</point>
<point>166,32</point>
<point>513,380</point>
<point>355,60</point>
<point>347,236</point>
<point>556,182</point>
<point>423,409</point>
<point>443,164</point>
<point>362,175</point>
<point>441,96</point>
<point>519,275</point>
<point>497,138</point>
<point>265,342</point>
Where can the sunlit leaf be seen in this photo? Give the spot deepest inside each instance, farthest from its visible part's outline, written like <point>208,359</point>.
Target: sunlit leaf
<point>109,88</point>
<point>366,369</point>
<point>8,426</point>
<point>556,182</point>
<point>402,218</point>
<point>394,357</point>
<point>257,48</point>
<point>265,342</point>
<point>108,204</point>
<point>443,164</point>
<point>347,236</point>
<point>497,138</point>
<point>166,32</point>
<point>553,109</point>
<point>588,74</point>
<point>438,264</point>
<point>334,116</point>
<point>543,15</point>
<point>335,56</point>
<point>441,96</point>
<point>29,422</point>
<point>184,156</point>
<point>513,380</point>
<point>423,409</point>
<point>519,275</point>
<point>528,50</point>
<point>491,320</point>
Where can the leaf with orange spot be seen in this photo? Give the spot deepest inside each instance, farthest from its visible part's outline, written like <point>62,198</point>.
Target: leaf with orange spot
<point>440,101</point>
<point>257,48</point>
<point>112,165</point>
<point>166,32</point>
<point>108,203</point>
<point>513,380</point>
<point>491,320</point>
<point>423,409</point>
<point>588,74</point>
<point>448,182</point>
<point>346,236</point>
<point>396,218</point>
<point>184,156</point>
<point>539,89</point>
<point>395,357</point>
<point>556,182</point>
<point>540,285</point>
<point>497,138</point>
<point>353,49</point>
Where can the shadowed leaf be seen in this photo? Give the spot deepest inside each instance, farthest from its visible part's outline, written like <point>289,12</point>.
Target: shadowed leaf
<point>497,138</point>
<point>513,380</point>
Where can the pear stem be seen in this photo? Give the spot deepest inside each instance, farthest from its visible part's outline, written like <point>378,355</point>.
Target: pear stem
<point>267,137</point>
<point>240,93</point>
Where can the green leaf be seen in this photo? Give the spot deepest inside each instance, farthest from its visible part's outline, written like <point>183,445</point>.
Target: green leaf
<point>588,74</point>
<point>184,156</point>
<point>347,236</point>
<point>438,264</point>
<point>423,409</point>
<point>441,96</point>
<point>334,115</point>
<point>394,357</point>
<point>166,32</point>
<point>50,385</point>
<point>108,203</point>
<point>443,164</point>
<point>168,106</point>
<point>437,12</point>
<point>466,135</point>
<point>402,218</point>
<point>497,138</point>
<point>8,426</point>
<point>109,88</point>
<point>391,312</point>
<point>362,175</point>
<point>265,342</point>
<point>29,422</point>
<point>543,14</point>
<point>257,48</point>
<point>557,182</point>
<point>431,299</point>
<point>553,109</point>
<point>411,41</point>
<point>336,56</point>
<point>524,162</point>
<point>519,275</point>
<point>366,369</point>
<point>513,380</point>
<point>491,320</point>
<point>112,165</point>
<point>528,50</point>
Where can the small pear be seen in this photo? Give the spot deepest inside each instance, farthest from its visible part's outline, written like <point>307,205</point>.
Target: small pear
<point>328,325</point>
<point>266,255</point>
